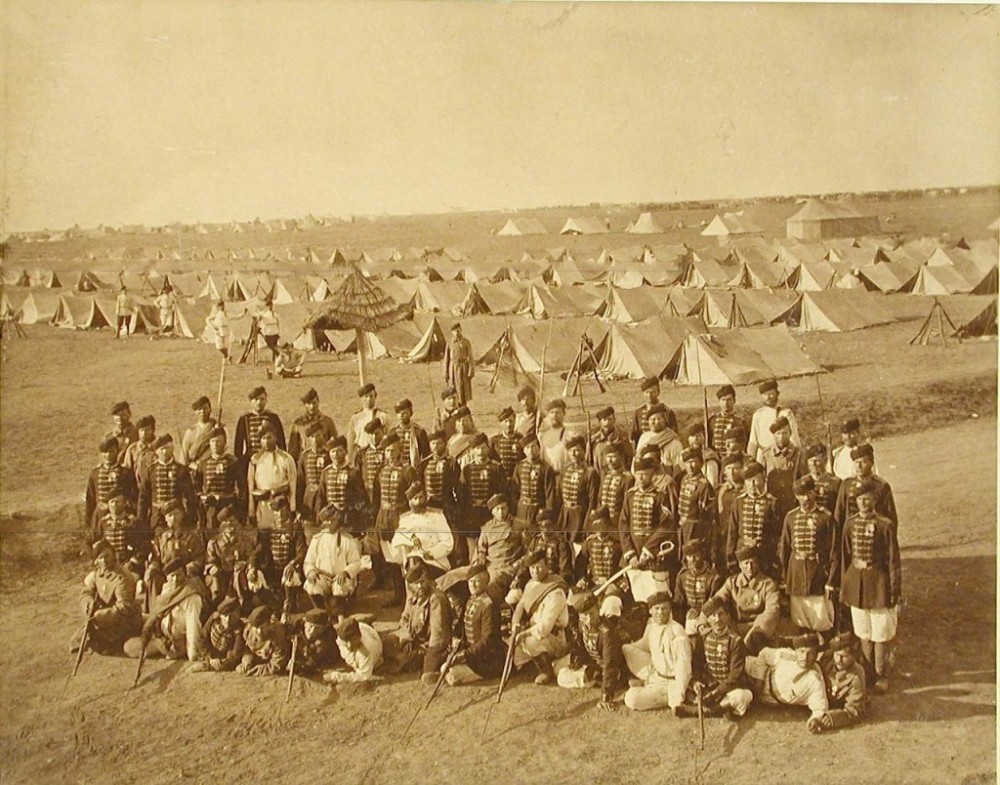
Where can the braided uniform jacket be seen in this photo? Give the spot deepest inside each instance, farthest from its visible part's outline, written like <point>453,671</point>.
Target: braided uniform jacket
<point>718,424</point>
<point>809,559</point>
<point>170,544</point>
<point>827,486</point>
<point>285,545</point>
<point>335,481</point>
<point>645,525</point>
<point>725,659</point>
<point>480,482</point>
<point>602,554</point>
<point>218,476</point>
<point>694,588</point>
<point>532,483</point>
<point>508,452</point>
<point>371,460</point>
<point>752,524</point>
<point>118,533</point>
<point>390,494</point>
<point>484,649</point>
<point>439,482</point>
<point>577,485</point>
<point>223,644</point>
<point>254,421</point>
<point>612,491</point>
<point>871,573</point>
<point>109,481</point>
<point>225,555</point>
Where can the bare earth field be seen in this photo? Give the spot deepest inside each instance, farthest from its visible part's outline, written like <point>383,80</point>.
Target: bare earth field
<point>937,726</point>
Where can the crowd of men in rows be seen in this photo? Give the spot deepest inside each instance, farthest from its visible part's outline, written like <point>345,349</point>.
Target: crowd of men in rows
<point>726,561</point>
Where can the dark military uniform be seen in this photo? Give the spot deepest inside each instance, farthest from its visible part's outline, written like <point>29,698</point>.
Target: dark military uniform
<point>507,452</point>
<point>416,445</point>
<point>596,645</point>
<point>389,498</point>
<point>646,522</point>
<point>641,417</point>
<point>123,534</point>
<point>116,616</point>
<point>480,481</point>
<point>754,523</point>
<point>558,552</point>
<point>847,506</point>
<point>162,483</point>
<point>696,509</point>
<point>447,422</point>
<point>484,649</point>
<point>342,487</point>
<point>808,552</point>
<point>578,487</point>
<point>719,423</point>
<point>722,665</point>
<point>848,698</point>
<point>103,483</point>
<point>611,492</point>
<point>247,438</point>
<point>223,648</point>
<point>267,649</point>
<point>277,549</point>
<point>602,442</point>
<point>693,588</point>
<point>427,621</point>
<point>871,574</point>
<point>370,461</point>
<point>226,557</point>
<point>827,488</point>
<point>441,478</point>
<point>725,501</point>
<point>533,488</point>
<point>218,484</point>
<point>599,558</point>
<point>783,468</point>
<point>297,435</point>
<point>310,468</point>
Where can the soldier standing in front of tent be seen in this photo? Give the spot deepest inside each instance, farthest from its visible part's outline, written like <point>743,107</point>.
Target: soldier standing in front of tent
<point>577,490</point>
<point>724,419</point>
<point>761,436</point>
<point>609,436</point>
<point>615,479</point>
<point>533,486</point>
<point>651,392</point>
<point>827,485</point>
<point>459,365</point>
<point>783,465</point>
<point>846,506</point>
<point>194,443</point>
<point>506,445</point>
<point>107,479</point>
<point>413,437</point>
<point>124,311</point>
<point>753,522</point>
<point>841,462</point>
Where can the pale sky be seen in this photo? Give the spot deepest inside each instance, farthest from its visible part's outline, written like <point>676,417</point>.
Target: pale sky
<point>148,112</point>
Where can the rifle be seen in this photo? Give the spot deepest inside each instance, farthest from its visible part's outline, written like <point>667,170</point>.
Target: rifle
<point>291,666</point>
<point>589,344</point>
<point>437,687</point>
<point>541,381</point>
<point>508,666</point>
<point>83,646</point>
<point>222,385</point>
<point>138,673</point>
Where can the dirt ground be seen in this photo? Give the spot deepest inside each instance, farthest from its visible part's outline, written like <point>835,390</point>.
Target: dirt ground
<point>938,725</point>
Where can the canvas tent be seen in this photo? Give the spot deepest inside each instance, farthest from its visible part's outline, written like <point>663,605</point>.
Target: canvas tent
<point>644,224</point>
<point>516,227</point>
<point>818,219</point>
<point>836,310</point>
<point>642,350</point>
<point>584,226</point>
<point>731,225</point>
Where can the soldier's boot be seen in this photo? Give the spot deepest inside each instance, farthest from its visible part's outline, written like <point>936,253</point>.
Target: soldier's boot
<point>881,668</point>
<point>546,675</point>
<point>868,662</point>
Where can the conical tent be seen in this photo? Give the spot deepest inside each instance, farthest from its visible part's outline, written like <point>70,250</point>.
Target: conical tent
<point>360,305</point>
<point>642,350</point>
<point>645,224</point>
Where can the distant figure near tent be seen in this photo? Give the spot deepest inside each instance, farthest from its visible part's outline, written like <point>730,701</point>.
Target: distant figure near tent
<point>459,366</point>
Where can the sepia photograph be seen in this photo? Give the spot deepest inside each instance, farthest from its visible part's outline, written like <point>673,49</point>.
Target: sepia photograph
<point>526,392</point>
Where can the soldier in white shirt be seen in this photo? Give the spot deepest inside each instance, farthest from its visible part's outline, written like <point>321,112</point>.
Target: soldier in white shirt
<point>332,563</point>
<point>272,473</point>
<point>841,463</point>
<point>790,677</point>
<point>423,533</point>
<point>760,426</point>
<point>661,661</point>
<point>361,650</point>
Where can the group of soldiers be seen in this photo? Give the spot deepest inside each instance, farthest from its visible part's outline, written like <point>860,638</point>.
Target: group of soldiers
<point>695,569</point>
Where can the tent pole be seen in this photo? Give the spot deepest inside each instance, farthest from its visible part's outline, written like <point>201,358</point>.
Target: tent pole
<point>359,339</point>
<point>826,422</point>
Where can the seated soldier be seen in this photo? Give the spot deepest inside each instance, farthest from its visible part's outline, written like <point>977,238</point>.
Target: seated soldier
<point>756,598</point>
<point>332,564</point>
<point>267,647</point>
<point>483,650</point>
<point>595,655</point>
<point>317,646</point>
<point>660,660</point>
<point>790,677</point>
<point>108,601</point>
<point>281,553</point>
<point>845,680</point>
<point>225,557</point>
<point>540,618</point>
<point>173,627</point>
<point>423,534</point>
<point>424,627</point>
<point>288,362</point>
<point>171,542</point>
<point>600,555</point>
<point>721,666</point>
<point>360,648</point>
<point>696,582</point>
<point>558,551</point>
<point>223,638</point>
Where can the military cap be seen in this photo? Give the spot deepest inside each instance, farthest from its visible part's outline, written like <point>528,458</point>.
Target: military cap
<point>120,408</point>
<point>616,446</point>
<point>102,548</point>
<point>317,616</point>
<point>865,487</point>
<point>810,641</point>
<point>656,408</point>
<point>533,557</point>
<point>310,396</point>
<point>172,506</point>
<point>375,424</point>
<point>582,601</point>
<point>556,403</point>
<point>478,440</point>
<point>280,503</point>
<point>843,641</point>
<point>163,441</point>
<point>475,569</point>
<point>216,433</point>
<point>337,442</point>
<point>416,573</point>
<point>599,514</point>
<point>495,500</point>
<point>146,421</point>
<point>348,629</point>
<point>645,465</point>
<point>850,426</point>
<point>116,495</point>
<point>528,439</point>
<point>746,553</point>
<point>724,390</point>
<point>576,441</point>
<point>770,384</point>
<point>752,469</point>
<point>506,414</point>
<point>259,615</point>
<point>256,392</point>
<point>391,439</point>
<point>462,411</point>
<point>333,515</point>
<point>778,424</point>
<point>606,412</point>
<point>526,392</point>
<point>403,405</point>
<point>229,606</point>
<point>713,604</point>
<point>804,485</point>
<point>694,546</point>
<point>659,598</point>
<point>364,389</point>
<point>267,427</point>
<point>544,518</point>
<point>108,445</point>
<point>172,566</point>
<point>438,435</point>
<point>815,451</point>
<point>862,451</point>
<point>730,460</point>
<point>734,432</point>
<point>447,392</point>
<point>456,326</point>
<point>694,429</point>
<point>201,403</point>
<point>415,489</point>
<point>650,450</point>
<point>649,382</point>
<point>691,453</point>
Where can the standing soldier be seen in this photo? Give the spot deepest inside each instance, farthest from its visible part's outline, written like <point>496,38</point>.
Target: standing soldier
<point>609,436</point>
<point>871,579</point>
<point>165,481</point>
<point>140,453</point>
<point>651,392</point>
<point>646,524</point>
<point>447,414</point>
<point>118,528</point>
<point>358,435</point>
<point>827,485</point>
<point>711,465</point>
<point>194,443</point>
<point>695,502</point>
<point>735,443</point>
<point>460,442</point>
<point>271,476</point>
<point>753,522</point>
<point>107,479</point>
<point>389,500</point>
<point>416,446</point>
<point>124,311</point>
<point>841,462</point>
<point>124,432</point>
<point>217,479</point>
<point>725,499</point>
<point>481,480</point>
<point>340,485</point>
<point>864,467</point>
<point>310,464</point>
<point>308,419</point>
<point>553,435</point>
<point>526,422</point>
<point>615,479</point>
<point>578,488</point>
<point>459,365</point>
<point>761,436</point>
<point>506,445</point>
<point>441,479</point>
<point>660,435</point>
<point>553,543</point>
<point>533,486</point>
<point>371,457</point>
<point>725,419</point>
<point>810,566</point>
<point>783,465</point>
<point>247,439</point>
